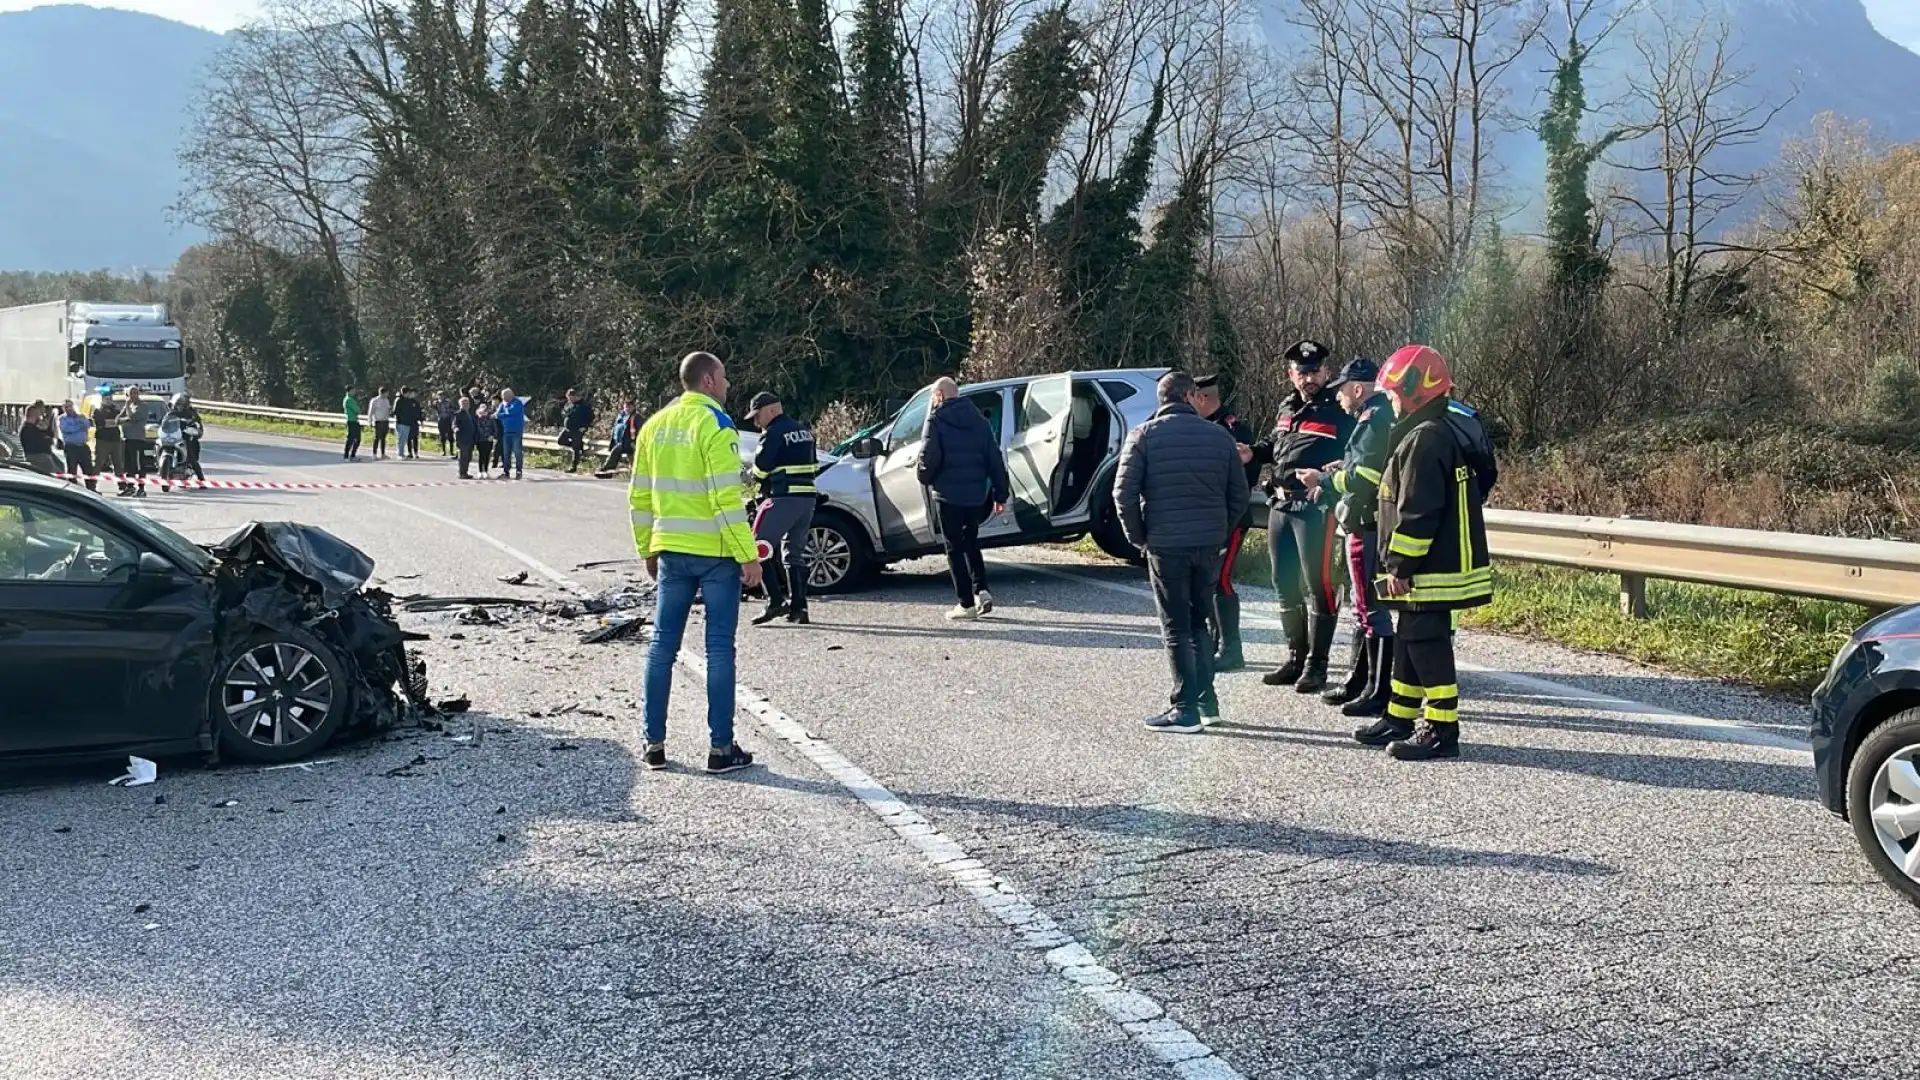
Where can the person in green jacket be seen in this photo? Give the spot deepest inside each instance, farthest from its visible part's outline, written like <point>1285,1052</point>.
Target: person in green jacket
<point>351,406</point>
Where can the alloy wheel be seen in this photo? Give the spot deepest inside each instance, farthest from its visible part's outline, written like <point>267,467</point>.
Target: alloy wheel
<point>830,557</point>
<point>1894,802</point>
<point>277,694</point>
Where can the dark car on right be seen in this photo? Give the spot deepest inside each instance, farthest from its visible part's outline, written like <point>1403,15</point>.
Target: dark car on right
<point>1866,743</point>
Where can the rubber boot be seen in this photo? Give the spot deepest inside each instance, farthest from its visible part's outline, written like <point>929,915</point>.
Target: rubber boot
<point>1379,682</point>
<point>1359,677</point>
<point>797,604</point>
<point>1314,679</point>
<point>1293,622</point>
<point>1428,742</point>
<point>770,579</point>
<point>1226,613</point>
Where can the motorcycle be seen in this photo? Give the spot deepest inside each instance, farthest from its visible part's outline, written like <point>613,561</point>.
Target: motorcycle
<point>175,433</point>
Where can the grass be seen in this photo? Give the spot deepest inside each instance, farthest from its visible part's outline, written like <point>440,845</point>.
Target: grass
<point>336,434</point>
<point>1780,643</point>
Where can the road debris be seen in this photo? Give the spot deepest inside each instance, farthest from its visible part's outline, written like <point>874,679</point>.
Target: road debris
<point>453,704</point>
<point>518,577</point>
<point>226,804</point>
<point>617,628</point>
<point>140,771</point>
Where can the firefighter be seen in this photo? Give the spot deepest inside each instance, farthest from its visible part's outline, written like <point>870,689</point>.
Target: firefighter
<point>1310,433</point>
<point>784,465</point>
<point>1226,602</point>
<point>1433,557</point>
<point>1350,489</point>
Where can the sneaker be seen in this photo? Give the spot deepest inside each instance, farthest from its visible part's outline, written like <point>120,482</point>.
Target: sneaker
<point>961,612</point>
<point>1209,711</point>
<point>731,759</point>
<point>656,755</point>
<point>983,600</point>
<point>1174,721</point>
<point>1385,730</point>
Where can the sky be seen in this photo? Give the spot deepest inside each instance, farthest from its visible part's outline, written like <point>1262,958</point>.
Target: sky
<point>1898,19</point>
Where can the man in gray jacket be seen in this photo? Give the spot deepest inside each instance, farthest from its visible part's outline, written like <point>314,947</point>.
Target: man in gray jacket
<point>1180,490</point>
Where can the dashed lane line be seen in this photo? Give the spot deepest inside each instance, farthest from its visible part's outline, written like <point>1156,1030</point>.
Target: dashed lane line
<point>1138,1014</point>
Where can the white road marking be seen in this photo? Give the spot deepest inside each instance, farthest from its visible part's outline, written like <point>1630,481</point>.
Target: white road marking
<point>1139,1015</point>
<point>1708,727</point>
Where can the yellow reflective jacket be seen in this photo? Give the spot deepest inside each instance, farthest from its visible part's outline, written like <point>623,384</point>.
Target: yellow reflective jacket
<point>685,496</point>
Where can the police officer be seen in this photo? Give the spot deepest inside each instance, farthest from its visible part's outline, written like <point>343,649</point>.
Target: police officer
<point>1226,602</point>
<point>1310,433</point>
<point>1350,488</point>
<point>1434,560</point>
<point>785,465</point>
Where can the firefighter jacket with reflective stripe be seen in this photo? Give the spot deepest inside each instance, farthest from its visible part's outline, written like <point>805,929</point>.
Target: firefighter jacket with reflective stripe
<point>1242,433</point>
<point>1431,528</point>
<point>685,495</point>
<point>1309,433</point>
<point>1355,484</point>
<point>785,462</point>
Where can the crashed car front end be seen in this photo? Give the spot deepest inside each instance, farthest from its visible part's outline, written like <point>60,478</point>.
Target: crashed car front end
<point>282,576</point>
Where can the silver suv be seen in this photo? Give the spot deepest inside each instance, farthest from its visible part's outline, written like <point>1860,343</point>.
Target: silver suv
<point>1062,445</point>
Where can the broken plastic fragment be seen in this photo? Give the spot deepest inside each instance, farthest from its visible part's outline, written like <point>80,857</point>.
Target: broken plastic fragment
<point>139,771</point>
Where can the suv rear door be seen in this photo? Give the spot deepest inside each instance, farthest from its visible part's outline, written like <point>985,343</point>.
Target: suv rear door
<point>1042,439</point>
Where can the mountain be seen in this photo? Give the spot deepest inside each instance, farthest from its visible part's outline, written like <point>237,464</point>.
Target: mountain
<point>93,103</point>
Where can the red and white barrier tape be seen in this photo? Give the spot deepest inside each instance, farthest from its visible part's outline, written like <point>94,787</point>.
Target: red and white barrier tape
<point>151,480</point>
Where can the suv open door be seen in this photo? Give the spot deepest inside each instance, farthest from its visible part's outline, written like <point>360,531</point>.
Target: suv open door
<point>1042,440</point>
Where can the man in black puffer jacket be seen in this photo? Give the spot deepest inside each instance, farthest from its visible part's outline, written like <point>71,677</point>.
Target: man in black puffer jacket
<point>961,460</point>
<point>1180,491</point>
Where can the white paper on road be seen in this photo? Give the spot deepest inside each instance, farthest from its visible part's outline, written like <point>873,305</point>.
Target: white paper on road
<point>139,771</point>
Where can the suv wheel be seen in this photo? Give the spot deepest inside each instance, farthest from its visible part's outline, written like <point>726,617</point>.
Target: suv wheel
<point>1108,536</point>
<point>1883,801</point>
<point>839,557</point>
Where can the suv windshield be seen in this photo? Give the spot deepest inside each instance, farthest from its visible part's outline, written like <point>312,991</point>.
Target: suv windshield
<point>121,362</point>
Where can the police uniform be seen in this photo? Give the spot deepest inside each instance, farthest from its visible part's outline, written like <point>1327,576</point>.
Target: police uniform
<point>1433,536</point>
<point>785,465</point>
<point>1309,433</point>
<point>1226,602</point>
<point>1351,491</point>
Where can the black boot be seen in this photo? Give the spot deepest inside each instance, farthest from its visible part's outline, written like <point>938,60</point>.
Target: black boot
<point>1314,679</point>
<point>1226,610</point>
<point>1428,742</point>
<point>776,593</point>
<point>1387,729</point>
<point>797,606</point>
<point>1379,681</point>
<point>1288,673</point>
<point>1358,676</point>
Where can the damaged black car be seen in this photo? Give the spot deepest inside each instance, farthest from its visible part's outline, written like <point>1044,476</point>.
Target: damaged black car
<point>119,636</point>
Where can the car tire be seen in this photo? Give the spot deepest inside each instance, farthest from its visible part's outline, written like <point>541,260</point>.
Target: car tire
<point>1892,746</point>
<point>316,697</point>
<point>1110,538</point>
<point>839,556</point>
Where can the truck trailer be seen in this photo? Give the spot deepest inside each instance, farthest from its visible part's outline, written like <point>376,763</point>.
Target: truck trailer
<point>66,350</point>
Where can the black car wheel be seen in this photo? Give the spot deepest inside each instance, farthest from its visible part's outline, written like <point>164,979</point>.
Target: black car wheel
<point>279,696</point>
<point>1108,536</point>
<point>1883,801</point>
<point>838,555</point>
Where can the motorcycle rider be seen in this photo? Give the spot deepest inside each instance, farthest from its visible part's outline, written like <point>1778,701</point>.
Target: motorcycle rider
<point>180,411</point>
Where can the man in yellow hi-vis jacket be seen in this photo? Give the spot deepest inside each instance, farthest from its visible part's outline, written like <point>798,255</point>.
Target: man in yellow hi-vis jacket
<point>690,525</point>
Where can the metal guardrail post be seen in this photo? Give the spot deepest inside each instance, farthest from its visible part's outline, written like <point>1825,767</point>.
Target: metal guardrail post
<point>1633,596</point>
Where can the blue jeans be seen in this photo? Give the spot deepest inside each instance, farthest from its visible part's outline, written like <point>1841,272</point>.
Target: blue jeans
<point>513,452</point>
<point>718,583</point>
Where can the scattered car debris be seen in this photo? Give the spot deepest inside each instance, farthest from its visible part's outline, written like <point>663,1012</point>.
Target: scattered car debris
<point>142,909</point>
<point>518,577</point>
<point>139,772</point>
<point>563,710</point>
<point>615,629</point>
<point>448,603</point>
<point>63,828</point>
<point>563,746</point>
<point>453,704</point>
<point>476,616</point>
<point>226,804</point>
<point>407,769</point>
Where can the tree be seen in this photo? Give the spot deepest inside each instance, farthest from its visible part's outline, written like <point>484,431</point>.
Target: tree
<point>1578,265</point>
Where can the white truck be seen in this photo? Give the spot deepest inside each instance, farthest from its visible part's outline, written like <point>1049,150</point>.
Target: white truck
<point>66,349</point>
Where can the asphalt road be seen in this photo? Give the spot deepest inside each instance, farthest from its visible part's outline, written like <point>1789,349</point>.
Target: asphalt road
<point>964,856</point>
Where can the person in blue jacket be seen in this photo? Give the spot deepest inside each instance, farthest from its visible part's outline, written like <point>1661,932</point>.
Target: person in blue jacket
<point>511,416</point>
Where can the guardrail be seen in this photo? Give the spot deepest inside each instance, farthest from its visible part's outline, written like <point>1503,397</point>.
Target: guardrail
<point>533,440</point>
<point>1876,573</point>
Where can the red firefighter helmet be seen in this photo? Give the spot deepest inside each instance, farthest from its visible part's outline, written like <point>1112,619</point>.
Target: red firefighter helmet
<point>1414,376</point>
